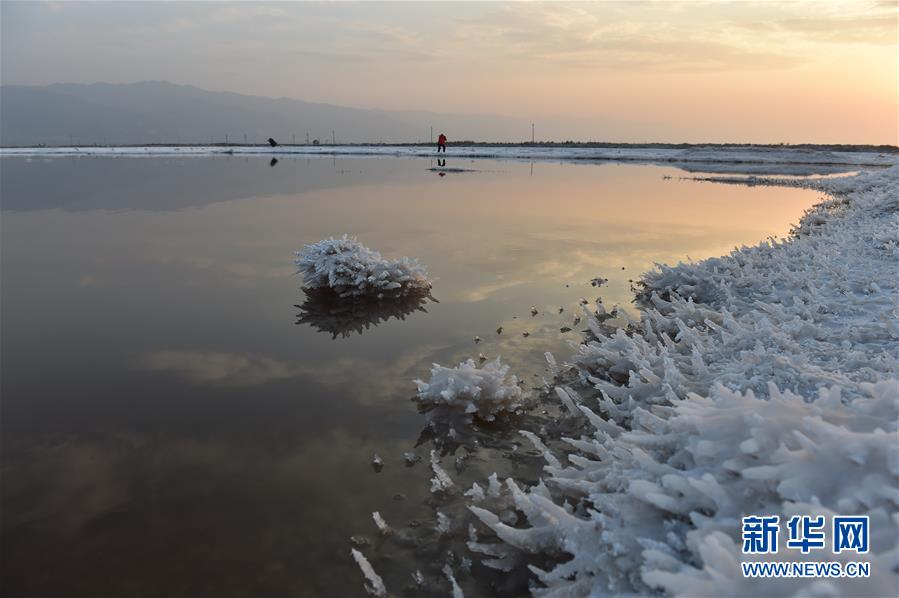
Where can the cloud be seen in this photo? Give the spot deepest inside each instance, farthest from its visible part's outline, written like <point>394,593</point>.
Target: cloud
<point>203,19</point>
<point>244,11</point>
<point>872,29</point>
<point>604,36</point>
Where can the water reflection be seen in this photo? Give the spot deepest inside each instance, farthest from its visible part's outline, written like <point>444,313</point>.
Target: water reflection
<point>448,430</point>
<point>325,311</point>
<point>442,169</point>
<point>217,433</point>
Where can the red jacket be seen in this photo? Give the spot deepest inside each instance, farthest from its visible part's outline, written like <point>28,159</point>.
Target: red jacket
<point>442,139</point>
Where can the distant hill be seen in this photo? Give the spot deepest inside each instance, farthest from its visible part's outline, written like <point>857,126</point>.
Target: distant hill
<point>159,112</point>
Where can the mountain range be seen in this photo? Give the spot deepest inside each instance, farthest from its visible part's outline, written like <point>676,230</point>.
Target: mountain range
<point>154,112</point>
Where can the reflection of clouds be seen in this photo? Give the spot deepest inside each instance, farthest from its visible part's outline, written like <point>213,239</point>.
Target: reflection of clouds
<point>589,253</point>
<point>240,269</point>
<point>90,476</point>
<point>479,293</point>
<point>369,381</point>
<point>527,264</point>
<point>83,481</point>
<point>226,369</point>
<point>88,497</point>
<point>365,381</point>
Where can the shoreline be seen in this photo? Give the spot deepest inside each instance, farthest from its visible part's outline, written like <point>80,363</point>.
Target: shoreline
<point>761,382</point>
<point>748,381</point>
<point>698,153</point>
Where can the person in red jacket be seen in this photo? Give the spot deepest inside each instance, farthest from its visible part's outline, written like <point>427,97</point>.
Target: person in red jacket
<point>441,143</point>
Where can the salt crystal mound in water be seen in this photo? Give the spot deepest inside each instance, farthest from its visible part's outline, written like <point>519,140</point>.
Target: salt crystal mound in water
<point>484,392</point>
<point>763,382</point>
<point>352,270</point>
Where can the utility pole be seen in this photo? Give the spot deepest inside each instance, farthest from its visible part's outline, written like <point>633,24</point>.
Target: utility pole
<point>307,137</point>
<point>226,139</point>
<point>244,138</point>
<point>432,134</point>
<point>532,132</point>
<point>294,138</point>
<point>333,139</point>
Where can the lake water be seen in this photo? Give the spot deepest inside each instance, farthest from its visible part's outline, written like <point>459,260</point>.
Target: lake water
<point>168,429</point>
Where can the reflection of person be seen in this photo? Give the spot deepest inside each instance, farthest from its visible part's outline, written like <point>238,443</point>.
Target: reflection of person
<point>441,162</point>
<point>441,143</point>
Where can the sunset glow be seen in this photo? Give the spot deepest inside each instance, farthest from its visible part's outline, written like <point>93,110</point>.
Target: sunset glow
<point>773,72</point>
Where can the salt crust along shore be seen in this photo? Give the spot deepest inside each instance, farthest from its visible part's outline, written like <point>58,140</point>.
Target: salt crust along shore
<point>762,382</point>
<point>759,383</point>
<point>767,158</point>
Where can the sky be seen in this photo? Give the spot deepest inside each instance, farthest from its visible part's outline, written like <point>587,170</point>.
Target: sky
<point>744,71</point>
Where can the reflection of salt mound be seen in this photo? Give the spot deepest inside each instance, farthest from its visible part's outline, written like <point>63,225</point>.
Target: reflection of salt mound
<point>482,391</point>
<point>326,311</point>
<point>351,269</point>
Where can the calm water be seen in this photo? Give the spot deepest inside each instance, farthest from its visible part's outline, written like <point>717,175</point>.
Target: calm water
<point>169,429</point>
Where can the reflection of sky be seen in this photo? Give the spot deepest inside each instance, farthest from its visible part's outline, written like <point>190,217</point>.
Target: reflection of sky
<point>154,379</point>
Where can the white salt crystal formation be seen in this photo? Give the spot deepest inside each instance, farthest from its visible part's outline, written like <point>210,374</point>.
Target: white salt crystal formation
<point>441,482</point>
<point>762,382</point>
<point>484,392</point>
<point>382,525</point>
<point>352,270</point>
<point>375,585</point>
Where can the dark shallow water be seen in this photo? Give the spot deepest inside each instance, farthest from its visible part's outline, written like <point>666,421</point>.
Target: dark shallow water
<point>167,429</point>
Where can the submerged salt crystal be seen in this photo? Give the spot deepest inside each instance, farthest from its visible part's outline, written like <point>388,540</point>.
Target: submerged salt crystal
<point>377,463</point>
<point>443,523</point>
<point>418,578</point>
<point>382,525</point>
<point>375,585</point>
<point>457,591</point>
<point>441,482</point>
